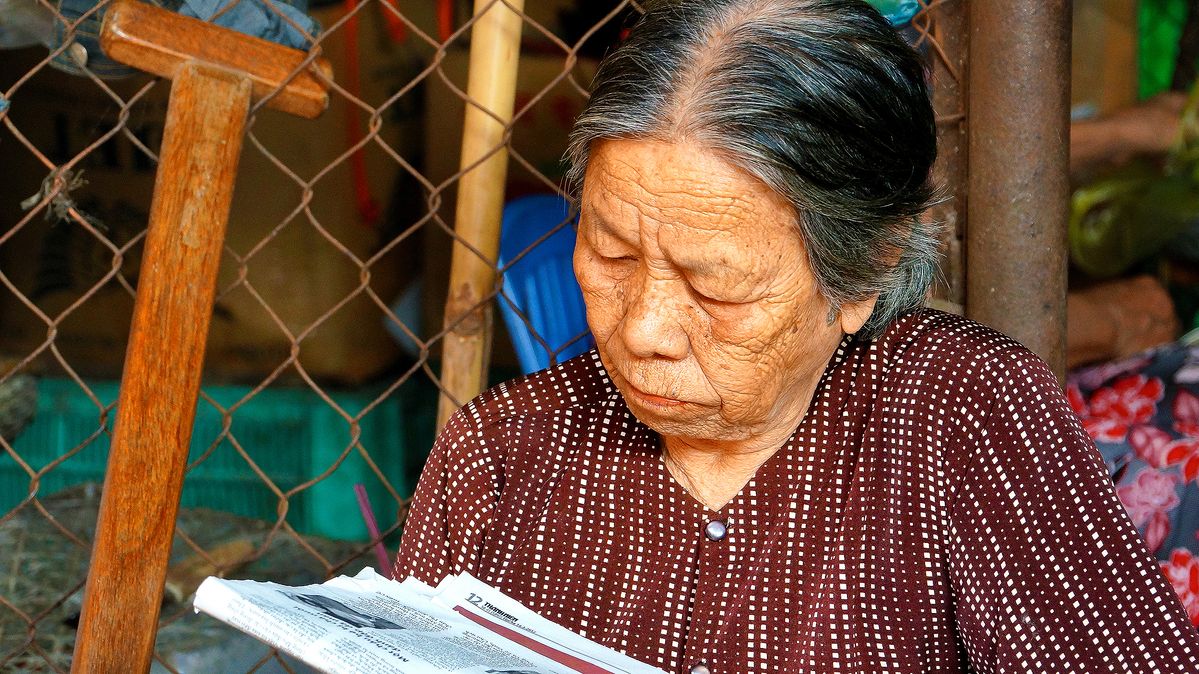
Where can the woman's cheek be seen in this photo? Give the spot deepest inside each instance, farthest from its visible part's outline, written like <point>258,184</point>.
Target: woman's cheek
<point>741,326</point>
<point>602,296</point>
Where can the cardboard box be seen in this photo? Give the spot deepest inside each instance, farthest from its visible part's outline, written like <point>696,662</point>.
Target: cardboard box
<point>1103,57</point>
<point>296,245</point>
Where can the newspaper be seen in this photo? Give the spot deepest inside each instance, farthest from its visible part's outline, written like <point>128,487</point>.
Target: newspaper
<point>371,624</point>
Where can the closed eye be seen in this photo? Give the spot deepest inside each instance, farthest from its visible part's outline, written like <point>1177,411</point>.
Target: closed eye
<point>712,300</point>
<point>618,265</point>
<point>618,259</point>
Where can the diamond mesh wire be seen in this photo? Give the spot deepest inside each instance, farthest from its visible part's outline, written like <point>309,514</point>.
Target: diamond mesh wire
<point>322,369</point>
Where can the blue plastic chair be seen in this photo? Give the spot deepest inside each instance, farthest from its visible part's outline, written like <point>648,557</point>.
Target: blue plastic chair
<point>541,283</point>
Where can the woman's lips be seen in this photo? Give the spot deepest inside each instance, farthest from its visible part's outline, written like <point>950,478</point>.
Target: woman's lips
<point>656,400</point>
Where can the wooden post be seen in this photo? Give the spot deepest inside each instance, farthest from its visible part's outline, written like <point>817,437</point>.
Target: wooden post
<point>215,71</point>
<point>161,383</point>
<point>491,88</point>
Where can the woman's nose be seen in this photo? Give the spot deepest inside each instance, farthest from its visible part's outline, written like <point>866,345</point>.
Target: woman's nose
<point>652,325</point>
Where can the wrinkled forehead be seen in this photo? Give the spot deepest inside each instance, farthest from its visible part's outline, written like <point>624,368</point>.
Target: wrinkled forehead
<point>634,183</point>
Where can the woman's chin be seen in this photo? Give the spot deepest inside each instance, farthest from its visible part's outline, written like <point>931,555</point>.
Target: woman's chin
<point>672,418</point>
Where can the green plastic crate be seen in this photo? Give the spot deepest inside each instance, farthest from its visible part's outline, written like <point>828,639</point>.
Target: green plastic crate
<point>292,435</point>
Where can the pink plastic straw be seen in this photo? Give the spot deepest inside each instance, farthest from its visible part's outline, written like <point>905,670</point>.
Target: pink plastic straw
<point>372,527</point>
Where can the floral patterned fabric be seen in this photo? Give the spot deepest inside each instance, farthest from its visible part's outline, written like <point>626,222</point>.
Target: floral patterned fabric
<point>1143,413</point>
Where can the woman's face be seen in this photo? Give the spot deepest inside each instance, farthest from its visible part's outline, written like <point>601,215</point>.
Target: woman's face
<point>699,294</point>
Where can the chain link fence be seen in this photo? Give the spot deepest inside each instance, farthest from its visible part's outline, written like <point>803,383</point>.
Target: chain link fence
<point>322,370</point>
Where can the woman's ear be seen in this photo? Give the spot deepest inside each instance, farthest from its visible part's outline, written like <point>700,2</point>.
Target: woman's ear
<point>854,315</point>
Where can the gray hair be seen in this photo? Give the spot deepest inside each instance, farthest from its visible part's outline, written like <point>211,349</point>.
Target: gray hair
<point>821,100</point>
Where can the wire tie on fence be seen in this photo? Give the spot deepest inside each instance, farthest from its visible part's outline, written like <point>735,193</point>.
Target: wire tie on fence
<point>18,405</point>
<point>4,105</point>
<point>60,183</point>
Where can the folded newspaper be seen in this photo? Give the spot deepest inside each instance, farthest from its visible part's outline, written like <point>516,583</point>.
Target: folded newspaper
<point>371,624</point>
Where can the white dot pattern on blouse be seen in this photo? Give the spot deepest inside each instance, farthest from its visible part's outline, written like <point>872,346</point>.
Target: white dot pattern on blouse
<point>939,509</point>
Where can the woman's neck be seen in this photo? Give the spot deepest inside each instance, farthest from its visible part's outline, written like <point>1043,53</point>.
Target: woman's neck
<point>713,471</point>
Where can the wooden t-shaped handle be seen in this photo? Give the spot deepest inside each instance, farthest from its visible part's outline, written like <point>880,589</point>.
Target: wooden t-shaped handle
<point>157,41</point>
<point>215,73</point>
<point>161,382</point>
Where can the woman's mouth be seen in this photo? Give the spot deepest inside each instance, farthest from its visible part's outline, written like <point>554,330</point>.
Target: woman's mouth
<point>654,400</point>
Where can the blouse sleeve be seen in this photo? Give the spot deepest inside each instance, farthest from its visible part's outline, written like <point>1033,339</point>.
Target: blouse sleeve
<point>1048,572</point>
<point>453,505</point>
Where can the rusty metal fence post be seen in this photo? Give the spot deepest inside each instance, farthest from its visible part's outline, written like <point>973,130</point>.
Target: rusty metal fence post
<point>1019,97</point>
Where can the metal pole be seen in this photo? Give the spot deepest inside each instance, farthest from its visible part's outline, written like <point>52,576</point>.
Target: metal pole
<point>1019,106</point>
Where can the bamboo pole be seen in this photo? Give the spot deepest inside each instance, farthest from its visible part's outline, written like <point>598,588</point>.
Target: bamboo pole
<point>491,88</point>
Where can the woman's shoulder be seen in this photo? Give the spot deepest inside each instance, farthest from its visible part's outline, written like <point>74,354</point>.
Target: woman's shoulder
<point>978,390</point>
<point>934,340</point>
<point>961,365</point>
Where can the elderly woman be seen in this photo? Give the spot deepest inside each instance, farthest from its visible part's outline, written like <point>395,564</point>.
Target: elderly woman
<point>775,461</point>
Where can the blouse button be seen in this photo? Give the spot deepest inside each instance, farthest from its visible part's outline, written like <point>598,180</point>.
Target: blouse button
<point>700,668</point>
<point>715,531</point>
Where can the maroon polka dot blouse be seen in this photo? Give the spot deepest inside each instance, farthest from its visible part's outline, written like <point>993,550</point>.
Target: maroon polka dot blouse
<point>938,509</point>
